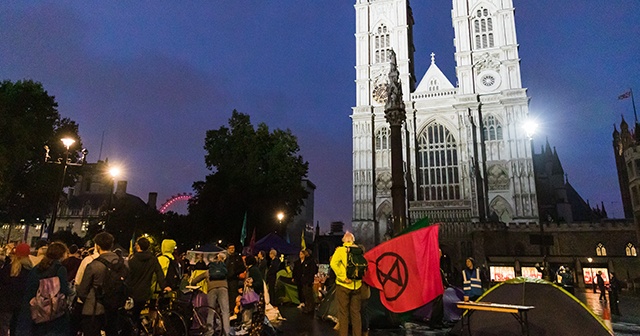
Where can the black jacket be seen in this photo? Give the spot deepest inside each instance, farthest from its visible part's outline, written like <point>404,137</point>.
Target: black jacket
<point>142,267</point>
<point>235,266</point>
<point>304,272</point>
<point>272,272</point>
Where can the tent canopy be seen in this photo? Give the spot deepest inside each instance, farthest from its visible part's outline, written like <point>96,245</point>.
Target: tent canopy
<point>273,241</point>
<point>556,311</point>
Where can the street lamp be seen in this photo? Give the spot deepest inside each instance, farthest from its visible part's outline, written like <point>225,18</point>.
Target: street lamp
<point>114,172</point>
<point>530,126</point>
<point>280,217</point>
<point>67,142</point>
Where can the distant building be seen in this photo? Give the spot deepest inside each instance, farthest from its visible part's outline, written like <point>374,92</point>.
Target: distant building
<point>86,203</point>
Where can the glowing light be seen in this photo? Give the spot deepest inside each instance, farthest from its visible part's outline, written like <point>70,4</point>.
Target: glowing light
<point>179,197</point>
<point>67,142</point>
<point>280,216</point>
<point>530,126</point>
<point>114,172</point>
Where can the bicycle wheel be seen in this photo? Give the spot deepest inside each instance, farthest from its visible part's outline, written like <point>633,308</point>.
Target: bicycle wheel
<point>127,326</point>
<point>170,323</point>
<point>206,321</point>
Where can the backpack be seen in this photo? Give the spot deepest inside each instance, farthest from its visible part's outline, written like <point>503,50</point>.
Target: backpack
<point>49,303</point>
<point>217,271</point>
<point>173,277</point>
<point>113,293</point>
<point>356,263</point>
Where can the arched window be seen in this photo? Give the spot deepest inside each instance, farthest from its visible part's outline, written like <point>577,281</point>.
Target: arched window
<point>381,44</point>
<point>382,139</point>
<point>491,128</point>
<point>630,250</point>
<point>438,172</point>
<point>601,250</point>
<point>483,29</point>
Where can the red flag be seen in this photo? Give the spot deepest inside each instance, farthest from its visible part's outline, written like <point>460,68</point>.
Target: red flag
<point>625,95</point>
<point>406,270</point>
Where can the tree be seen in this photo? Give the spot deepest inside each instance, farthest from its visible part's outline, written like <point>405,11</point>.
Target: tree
<point>254,172</point>
<point>29,120</point>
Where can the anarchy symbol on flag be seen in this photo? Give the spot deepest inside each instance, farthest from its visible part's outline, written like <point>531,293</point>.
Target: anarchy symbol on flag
<point>393,275</point>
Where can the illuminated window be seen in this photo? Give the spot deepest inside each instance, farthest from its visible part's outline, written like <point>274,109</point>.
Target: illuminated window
<point>382,44</point>
<point>630,250</point>
<point>601,250</point>
<point>438,172</point>
<point>483,29</point>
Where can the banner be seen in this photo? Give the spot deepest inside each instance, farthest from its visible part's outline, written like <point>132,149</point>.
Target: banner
<point>406,270</point>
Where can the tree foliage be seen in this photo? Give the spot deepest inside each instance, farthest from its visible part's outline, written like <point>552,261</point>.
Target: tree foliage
<point>29,119</point>
<point>256,172</point>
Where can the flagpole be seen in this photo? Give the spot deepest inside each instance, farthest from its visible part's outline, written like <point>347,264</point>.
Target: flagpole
<point>633,102</point>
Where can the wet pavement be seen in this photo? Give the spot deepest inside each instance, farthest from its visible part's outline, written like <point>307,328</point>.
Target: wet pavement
<point>626,324</point>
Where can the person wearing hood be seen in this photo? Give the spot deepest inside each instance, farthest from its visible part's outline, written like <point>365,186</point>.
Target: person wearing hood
<point>143,265</point>
<point>13,280</point>
<point>94,313</point>
<point>170,267</point>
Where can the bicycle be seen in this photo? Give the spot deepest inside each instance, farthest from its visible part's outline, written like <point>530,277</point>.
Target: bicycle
<point>204,320</point>
<point>162,319</point>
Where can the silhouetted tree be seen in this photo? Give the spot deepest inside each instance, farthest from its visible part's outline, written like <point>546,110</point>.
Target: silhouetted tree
<point>256,172</point>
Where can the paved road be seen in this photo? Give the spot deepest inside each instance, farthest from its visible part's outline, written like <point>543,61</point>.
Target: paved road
<point>306,325</point>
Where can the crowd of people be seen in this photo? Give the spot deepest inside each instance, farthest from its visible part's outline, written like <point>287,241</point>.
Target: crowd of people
<point>59,290</point>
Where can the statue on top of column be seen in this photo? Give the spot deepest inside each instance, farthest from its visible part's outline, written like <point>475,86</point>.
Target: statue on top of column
<point>394,89</point>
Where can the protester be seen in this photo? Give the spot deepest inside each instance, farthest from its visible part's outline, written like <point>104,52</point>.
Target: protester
<point>601,286</point>
<point>471,282</point>
<point>235,267</point>
<point>49,267</point>
<point>170,266</point>
<point>72,263</point>
<point>253,315</point>
<point>307,277</point>
<point>298,266</point>
<point>436,320</point>
<point>13,279</point>
<point>262,263</point>
<point>218,292</point>
<point>347,290</point>
<point>96,316</point>
<point>41,250</point>
<point>143,265</point>
<point>76,311</point>
<point>271,276</point>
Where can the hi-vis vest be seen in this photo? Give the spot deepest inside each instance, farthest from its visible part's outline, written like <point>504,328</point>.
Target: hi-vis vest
<point>472,285</point>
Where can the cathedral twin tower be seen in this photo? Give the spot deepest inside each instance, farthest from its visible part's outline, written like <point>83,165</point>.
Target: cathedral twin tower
<point>466,155</point>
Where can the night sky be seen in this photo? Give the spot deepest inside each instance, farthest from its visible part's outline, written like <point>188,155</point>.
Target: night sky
<point>154,76</point>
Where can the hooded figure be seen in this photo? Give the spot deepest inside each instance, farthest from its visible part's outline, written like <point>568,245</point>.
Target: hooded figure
<point>170,267</point>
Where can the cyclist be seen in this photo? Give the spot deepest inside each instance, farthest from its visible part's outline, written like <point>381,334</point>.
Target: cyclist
<point>143,265</point>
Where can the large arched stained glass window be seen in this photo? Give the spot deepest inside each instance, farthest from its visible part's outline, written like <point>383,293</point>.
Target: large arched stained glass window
<point>438,172</point>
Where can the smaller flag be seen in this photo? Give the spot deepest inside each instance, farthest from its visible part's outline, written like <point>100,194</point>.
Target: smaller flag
<point>625,95</point>
<point>132,242</point>
<point>303,244</point>
<point>243,233</point>
<point>252,241</point>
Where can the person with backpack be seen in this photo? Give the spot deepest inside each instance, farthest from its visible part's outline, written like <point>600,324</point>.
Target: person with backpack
<point>349,265</point>
<point>102,289</point>
<point>217,289</point>
<point>44,309</point>
<point>171,269</point>
<point>143,265</point>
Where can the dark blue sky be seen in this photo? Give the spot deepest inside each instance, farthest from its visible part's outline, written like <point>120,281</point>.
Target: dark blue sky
<point>154,76</point>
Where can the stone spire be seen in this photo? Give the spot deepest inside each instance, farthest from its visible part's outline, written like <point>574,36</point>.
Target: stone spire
<point>394,108</point>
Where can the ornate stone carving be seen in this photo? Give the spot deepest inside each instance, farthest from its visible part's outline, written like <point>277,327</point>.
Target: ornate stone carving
<point>498,177</point>
<point>394,110</point>
<point>487,61</point>
<point>383,182</point>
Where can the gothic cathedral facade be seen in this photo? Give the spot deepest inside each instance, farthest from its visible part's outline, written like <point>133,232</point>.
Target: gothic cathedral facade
<point>466,155</point>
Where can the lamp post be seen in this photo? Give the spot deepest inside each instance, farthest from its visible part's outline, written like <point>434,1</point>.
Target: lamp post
<point>67,142</point>
<point>530,127</point>
<point>114,172</point>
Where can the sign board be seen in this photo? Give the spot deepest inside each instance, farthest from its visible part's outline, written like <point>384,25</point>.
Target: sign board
<point>530,272</point>
<point>502,273</point>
